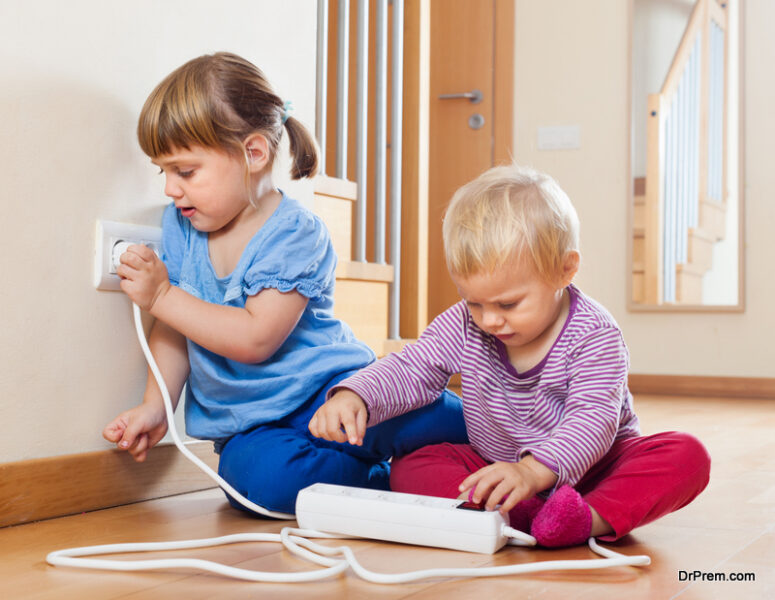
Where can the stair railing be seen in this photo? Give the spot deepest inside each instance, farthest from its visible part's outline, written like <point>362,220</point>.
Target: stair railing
<point>342,96</point>
<point>686,146</point>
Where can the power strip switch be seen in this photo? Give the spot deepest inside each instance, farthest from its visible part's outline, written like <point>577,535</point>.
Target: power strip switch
<point>398,517</point>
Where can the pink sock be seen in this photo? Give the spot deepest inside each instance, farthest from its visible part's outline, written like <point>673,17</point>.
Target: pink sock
<point>564,520</point>
<point>522,515</point>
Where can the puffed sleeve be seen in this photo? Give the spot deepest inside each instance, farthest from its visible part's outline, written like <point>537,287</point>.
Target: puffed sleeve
<point>296,255</point>
<point>173,241</point>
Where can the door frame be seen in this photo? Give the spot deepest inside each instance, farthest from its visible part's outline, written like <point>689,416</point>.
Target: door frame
<point>415,155</point>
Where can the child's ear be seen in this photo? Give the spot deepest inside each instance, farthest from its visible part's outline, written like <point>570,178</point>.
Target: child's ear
<point>257,152</point>
<point>570,266</point>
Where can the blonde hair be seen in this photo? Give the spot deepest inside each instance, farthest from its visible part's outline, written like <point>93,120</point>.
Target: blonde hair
<point>217,101</point>
<point>506,213</point>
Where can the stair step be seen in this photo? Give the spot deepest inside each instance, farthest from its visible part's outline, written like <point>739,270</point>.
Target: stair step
<point>361,298</point>
<point>339,188</point>
<point>701,249</point>
<point>361,294</point>
<point>713,219</point>
<point>691,269</point>
<point>364,271</point>
<point>639,215</point>
<point>363,305</point>
<point>637,286</point>
<point>688,285</point>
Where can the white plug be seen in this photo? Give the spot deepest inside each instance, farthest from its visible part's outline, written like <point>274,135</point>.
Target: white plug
<point>112,240</point>
<point>115,256</point>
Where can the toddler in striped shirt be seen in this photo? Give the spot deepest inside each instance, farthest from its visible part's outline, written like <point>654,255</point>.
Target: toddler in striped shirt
<point>554,440</point>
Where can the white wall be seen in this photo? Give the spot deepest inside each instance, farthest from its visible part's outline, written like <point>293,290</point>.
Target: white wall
<point>74,77</point>
<point>571,68</point>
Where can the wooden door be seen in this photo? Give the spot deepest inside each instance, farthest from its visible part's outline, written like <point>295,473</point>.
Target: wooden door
<point>471,49</point>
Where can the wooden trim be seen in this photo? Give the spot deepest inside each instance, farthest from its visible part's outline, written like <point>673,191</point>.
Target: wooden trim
<point>503,82</point>
<point>415,169</point>
<point>43,488</point>
<point>691,385</point>
<point>718,14</point>
<point>697,23</point>
<point>338,188</point>
<point>686,308</point>
<point>741,172</point>
<point>652,256</point>
<point>629,276</point>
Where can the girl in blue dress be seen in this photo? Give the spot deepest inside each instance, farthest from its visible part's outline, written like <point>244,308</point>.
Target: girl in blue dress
<point>243,297</point>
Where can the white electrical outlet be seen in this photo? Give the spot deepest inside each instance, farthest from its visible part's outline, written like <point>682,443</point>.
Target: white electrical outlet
<point>566,137</point>
<point>112,239</point>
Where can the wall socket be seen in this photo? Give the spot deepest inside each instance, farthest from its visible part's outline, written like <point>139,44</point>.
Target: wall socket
<point>564,137</point>
<point>112,237</point>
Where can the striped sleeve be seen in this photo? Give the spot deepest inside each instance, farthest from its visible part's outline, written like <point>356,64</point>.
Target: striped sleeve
<point>597,388</point>
<point>417,375</point>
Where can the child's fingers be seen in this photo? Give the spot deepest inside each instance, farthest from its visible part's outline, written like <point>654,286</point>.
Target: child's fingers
<point>481,481</point>
<point>133,429</point>
<point>313,425</point>
<point>510,502</point>
<point>351,421</point>
<point>144,252</point>
<point>498,495</point>
<point>329,426</point>
<point>113,431</point>
<point>360,428</point>
<point>471,481</point>
<point>154,437</point>
<point>318,424</point>
<point>140,447</point>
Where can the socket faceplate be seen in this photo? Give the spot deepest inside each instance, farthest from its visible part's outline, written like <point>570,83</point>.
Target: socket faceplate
<point>110,233</point>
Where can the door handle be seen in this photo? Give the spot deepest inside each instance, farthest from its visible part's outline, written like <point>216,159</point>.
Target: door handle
<point>475,96</point>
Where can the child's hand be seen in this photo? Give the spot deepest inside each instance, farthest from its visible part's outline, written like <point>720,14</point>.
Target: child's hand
<point>344,409</point>
<point>137,430</point>
<point>143,276</point>
<point>508,483</point>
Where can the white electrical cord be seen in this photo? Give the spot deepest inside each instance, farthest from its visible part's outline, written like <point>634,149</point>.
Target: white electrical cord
<point>293,540</point>
<point>176,438</point>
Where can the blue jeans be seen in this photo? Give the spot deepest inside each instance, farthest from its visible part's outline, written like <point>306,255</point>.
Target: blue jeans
<point>270,463</point>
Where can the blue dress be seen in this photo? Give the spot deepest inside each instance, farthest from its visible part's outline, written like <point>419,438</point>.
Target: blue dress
<point>257,414</point>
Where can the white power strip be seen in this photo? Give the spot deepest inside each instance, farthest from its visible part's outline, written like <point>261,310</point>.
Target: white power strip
<point>405,518</point>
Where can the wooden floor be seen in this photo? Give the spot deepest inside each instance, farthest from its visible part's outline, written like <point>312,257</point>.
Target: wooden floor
<point>729,529</point>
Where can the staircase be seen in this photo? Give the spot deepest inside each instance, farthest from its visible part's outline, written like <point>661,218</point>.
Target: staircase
<point>361,294</point>
<point>679,208</point>
<point>689,275</point>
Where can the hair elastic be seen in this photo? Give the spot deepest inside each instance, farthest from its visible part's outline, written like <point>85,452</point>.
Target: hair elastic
<point>287,110</point>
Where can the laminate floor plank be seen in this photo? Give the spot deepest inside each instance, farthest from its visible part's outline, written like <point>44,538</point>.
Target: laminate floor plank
<point>728,530</point>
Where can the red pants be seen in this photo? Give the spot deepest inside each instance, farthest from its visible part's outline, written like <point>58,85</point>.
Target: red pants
<point>639,480</point>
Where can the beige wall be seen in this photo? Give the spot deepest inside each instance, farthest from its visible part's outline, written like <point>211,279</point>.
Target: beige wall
<point>74,76</point>
<point>572,69</point>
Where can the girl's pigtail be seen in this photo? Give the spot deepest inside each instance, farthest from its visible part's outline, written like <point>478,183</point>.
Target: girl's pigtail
<point>303,149</point>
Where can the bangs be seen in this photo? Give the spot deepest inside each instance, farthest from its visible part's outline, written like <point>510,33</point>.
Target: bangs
<point>179,113</point>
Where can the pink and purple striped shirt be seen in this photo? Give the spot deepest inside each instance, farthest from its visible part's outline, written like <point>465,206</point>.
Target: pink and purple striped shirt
<point>566,411</point>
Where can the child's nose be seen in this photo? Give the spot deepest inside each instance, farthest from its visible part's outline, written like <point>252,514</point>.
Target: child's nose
<point>491,319</point>
<point>171,189</point>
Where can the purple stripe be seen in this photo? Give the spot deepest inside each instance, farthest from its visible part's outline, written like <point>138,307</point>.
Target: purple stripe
<point>567,411</point>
